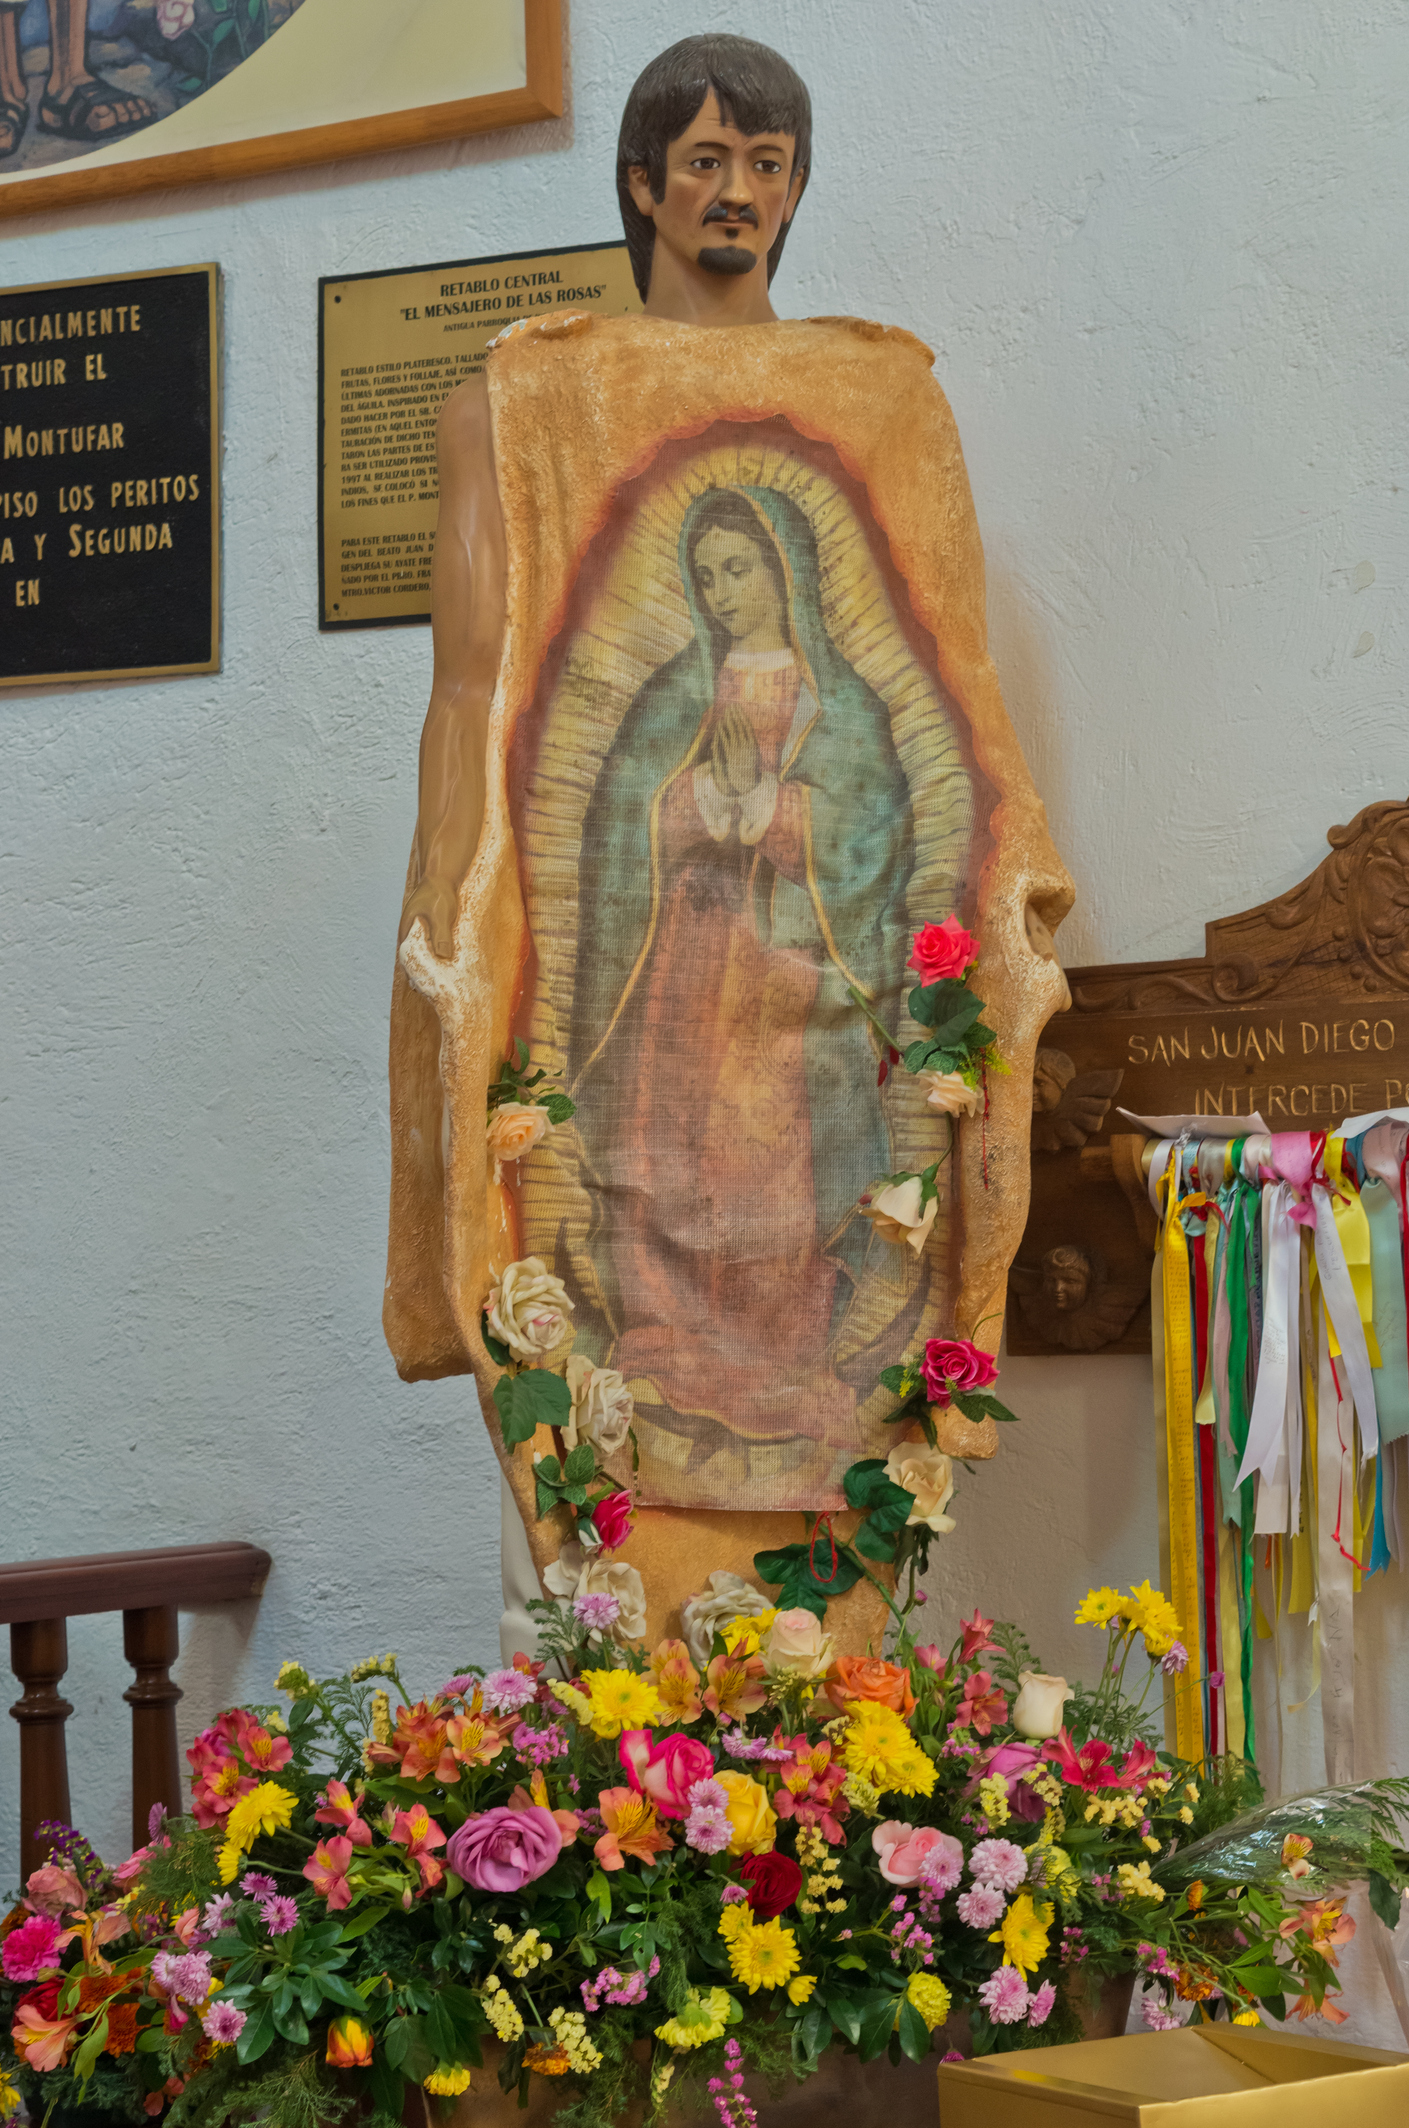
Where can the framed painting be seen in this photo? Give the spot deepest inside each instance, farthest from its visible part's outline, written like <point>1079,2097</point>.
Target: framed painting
<point>103,97</point>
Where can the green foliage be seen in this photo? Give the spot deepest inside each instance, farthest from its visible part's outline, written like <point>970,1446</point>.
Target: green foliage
<point>295,2091</point>
<point>517,1083</point>
<point>529,1400</point>
<point>979,1404</point>
<point>806,1575</point>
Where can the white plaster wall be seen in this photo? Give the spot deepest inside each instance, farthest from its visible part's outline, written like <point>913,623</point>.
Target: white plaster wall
<point>1157,247</point>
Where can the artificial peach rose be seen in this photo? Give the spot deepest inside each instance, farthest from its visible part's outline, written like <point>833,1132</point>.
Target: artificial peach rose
<point>602,1406</point>
<point>866,1677</point>
<point>795,1641</point>
<point>750,1814</point>
<point>528,1310</point>
<point>513,1129</point>
<point>928,1474</point>
<point>948,1094</point>
<point>894,1211</point>
<point>1037,1710</point>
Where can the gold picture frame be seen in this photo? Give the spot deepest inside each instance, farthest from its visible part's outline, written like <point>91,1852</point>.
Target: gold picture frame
<point>513,39</point>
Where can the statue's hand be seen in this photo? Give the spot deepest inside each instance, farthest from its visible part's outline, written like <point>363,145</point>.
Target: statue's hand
<point>734,756</point>
<point>435,902</point>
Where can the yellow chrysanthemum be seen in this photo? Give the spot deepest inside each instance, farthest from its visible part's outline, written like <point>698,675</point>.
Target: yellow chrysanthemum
<point>738,1915</point>
<point>1023,1934</point>
<point>879,1748</point>
<point>9,2097</point>
<point>1155,1616</point>
<point>930,1997</point>
<point>704,2017</point>
<point>1247,2017</point>
<point>763,1956</point>
<point>444,2082</point>
<point>619,1699</point>
<point>800,1989</point>
<point>1099,1606</point>
<point>265,1809</point>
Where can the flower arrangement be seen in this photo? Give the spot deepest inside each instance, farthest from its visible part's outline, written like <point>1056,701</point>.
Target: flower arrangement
<point>732,1851</point>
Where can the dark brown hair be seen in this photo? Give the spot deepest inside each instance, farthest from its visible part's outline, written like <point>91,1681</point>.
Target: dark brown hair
<point>758,92</point>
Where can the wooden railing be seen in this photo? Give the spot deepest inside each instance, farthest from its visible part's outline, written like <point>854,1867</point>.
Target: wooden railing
<point>39,1596</point>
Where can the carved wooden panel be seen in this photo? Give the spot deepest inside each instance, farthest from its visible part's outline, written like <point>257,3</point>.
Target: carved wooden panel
<point>1298,1011</point>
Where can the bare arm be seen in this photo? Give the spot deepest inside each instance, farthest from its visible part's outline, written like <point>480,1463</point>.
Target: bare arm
<point>467,625</point>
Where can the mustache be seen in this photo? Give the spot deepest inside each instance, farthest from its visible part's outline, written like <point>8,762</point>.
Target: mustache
<point>720,213</point>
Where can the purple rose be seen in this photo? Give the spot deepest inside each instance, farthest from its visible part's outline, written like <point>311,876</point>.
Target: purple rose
<point>502,1850</point>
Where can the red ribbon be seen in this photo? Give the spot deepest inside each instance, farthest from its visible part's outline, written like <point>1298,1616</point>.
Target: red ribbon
<point>824,1579</point>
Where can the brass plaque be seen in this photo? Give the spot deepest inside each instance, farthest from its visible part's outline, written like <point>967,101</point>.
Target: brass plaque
<point>1297,1012</point>
<point>391,346</point>
<point>110,477</point>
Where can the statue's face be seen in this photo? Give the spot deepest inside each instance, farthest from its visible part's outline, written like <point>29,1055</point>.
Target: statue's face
<point>737,589</point>
<point>727,193</point>
<point>1066,1284</point>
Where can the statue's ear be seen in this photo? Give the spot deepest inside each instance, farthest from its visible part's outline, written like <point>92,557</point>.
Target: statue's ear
<point>642,197</point>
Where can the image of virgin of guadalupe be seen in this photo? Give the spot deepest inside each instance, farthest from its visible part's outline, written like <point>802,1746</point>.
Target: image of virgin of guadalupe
<point>745,857</point>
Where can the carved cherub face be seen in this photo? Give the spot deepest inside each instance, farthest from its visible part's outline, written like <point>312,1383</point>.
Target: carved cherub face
<point>1066,1278</point>
<point>727,193</point>
<point>738,589</point>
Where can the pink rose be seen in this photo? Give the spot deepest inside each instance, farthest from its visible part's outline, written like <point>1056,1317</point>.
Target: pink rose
<point>903,1850</point>
<point>955,1363</point>
<point>32,1948</point>
<point>54,1890</point>
<point>942,951</point>
<point>503,1850</point>
<point>666,1771</point>
<point>1012,1761</point>
<point>611,1518</point>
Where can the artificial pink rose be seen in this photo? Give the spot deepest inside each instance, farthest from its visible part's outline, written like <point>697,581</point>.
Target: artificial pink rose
<point>611,1518</point>
<point>903,1850</point>
<point>942,951</point>
<point>664,1772</point>
<point>930,1657</point>
<point>953,1363</point>
<point>54,1890</point>
<point>32,1948</point>
<point>503,1850</point>
<point>1012,1761</point>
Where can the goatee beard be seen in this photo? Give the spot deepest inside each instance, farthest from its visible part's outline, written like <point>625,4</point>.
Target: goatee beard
<point>727,258</point>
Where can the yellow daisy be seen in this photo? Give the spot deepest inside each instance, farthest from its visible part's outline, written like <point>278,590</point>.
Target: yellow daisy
<point>621,1700</point>
<point>1023,1934</point>
<point>800,1989</point>
<point>703,2018</point>
<point>878,1748</point>
<point>763,1957</point>
<point>447,2083</point>
<point>265,1809</point>
<point>1099,1606</point>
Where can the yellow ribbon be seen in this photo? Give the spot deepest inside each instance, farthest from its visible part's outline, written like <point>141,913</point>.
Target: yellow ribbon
<point>1179,1393</point>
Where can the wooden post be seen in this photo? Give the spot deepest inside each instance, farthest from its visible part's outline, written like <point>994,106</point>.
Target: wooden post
<point>39,1658</point>
<point>151,1643</point>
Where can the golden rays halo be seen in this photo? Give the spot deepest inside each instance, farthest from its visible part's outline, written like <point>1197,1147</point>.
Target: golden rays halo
<point>624,628</point>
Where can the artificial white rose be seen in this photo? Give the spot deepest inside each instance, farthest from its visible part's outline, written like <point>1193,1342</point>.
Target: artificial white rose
<point>727,1596</point>
<point>575,1573</point>
<point>795,1641</point>
<point>894,1211</point>
<point>928,1474</point>
<point>602,1406</point>
<point>528,1310</point>
<point>948,1093</point>
<point>1037,1710</point>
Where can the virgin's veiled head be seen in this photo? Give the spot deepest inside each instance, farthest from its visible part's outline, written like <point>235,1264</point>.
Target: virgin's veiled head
<point>748,560</point>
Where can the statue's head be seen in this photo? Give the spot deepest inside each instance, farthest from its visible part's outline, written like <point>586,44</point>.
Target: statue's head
<point>1067,1277</point>
<point>709,87</point>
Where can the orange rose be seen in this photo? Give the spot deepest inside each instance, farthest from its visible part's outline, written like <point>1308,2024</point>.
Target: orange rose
<point>866,1677</point>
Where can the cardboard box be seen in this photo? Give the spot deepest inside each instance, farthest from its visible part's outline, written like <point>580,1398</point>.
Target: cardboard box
<point>1205,2076</point>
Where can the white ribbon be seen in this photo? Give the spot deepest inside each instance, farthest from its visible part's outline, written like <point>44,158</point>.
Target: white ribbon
<point>1268,1449</point>
<point>1345,1314</point>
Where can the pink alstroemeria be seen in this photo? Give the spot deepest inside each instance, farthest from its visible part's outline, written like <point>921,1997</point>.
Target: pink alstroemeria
<point>1140,1763</point>
<point>41,2042</point>
<point>1090,1768</point>
<point>339,1808</point>
<point>326,1871</point>
<point>976,1636</point>
<point>981,1705</point>
<point>417,1831</point>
